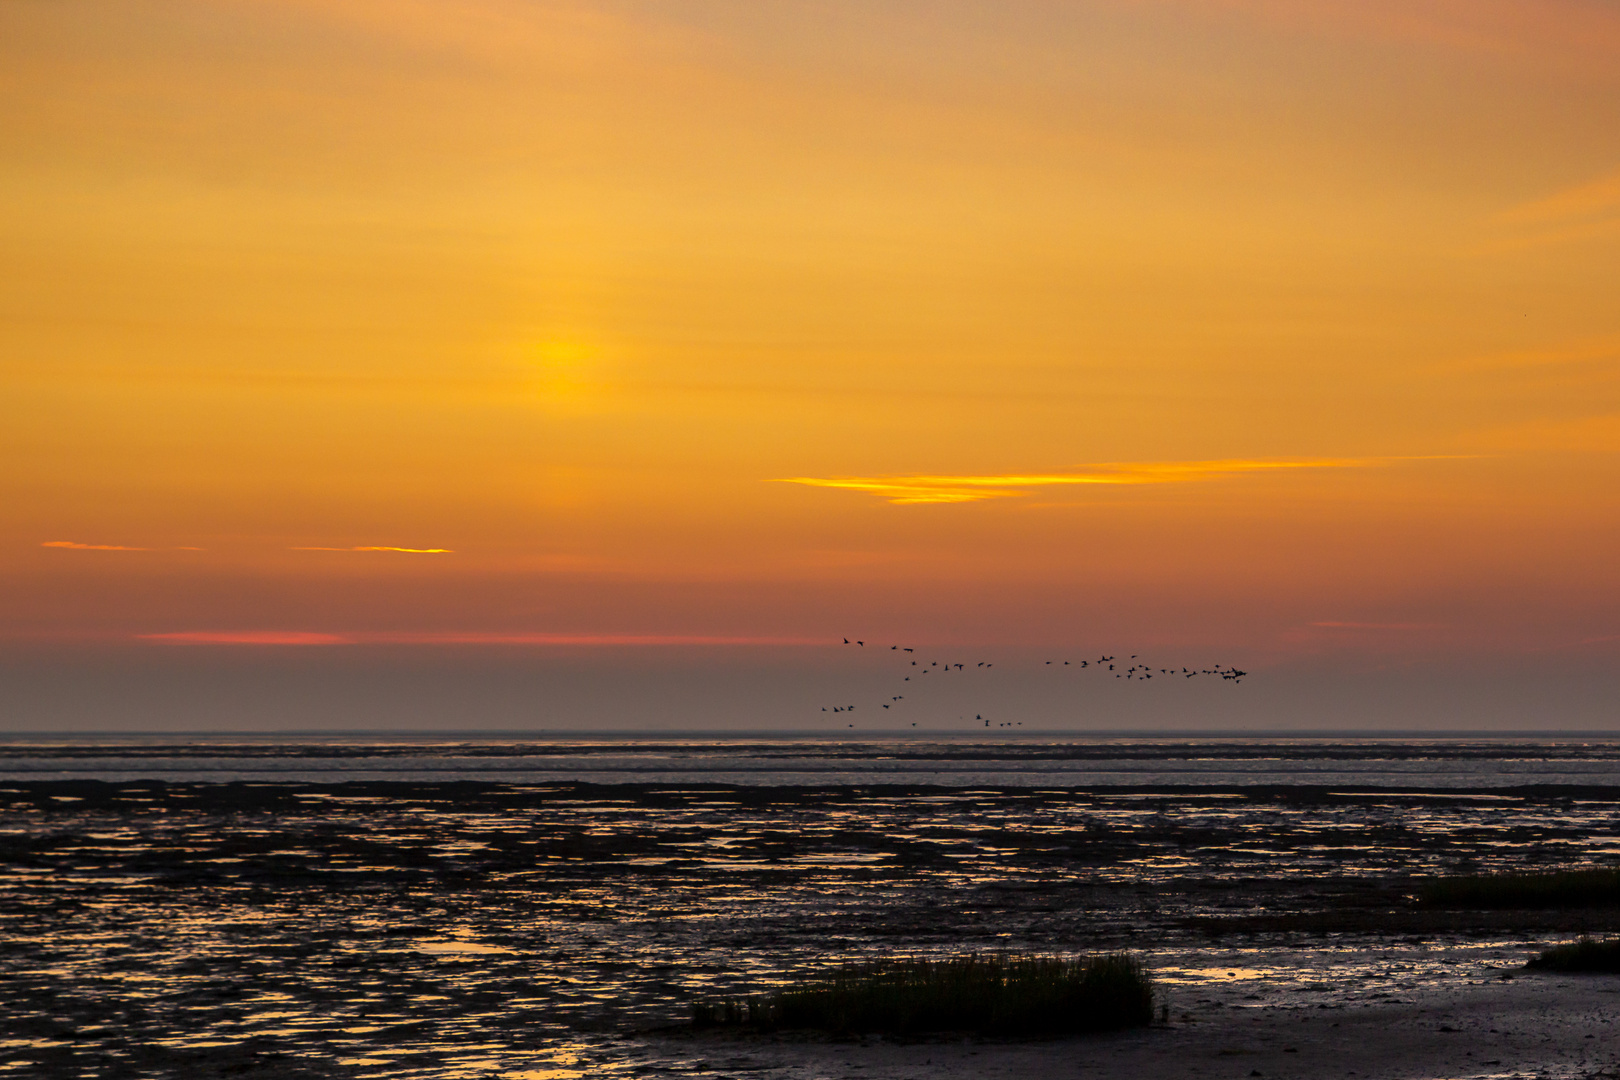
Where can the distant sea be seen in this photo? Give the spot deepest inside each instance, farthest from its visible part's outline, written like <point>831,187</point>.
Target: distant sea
<point>533,906</point>
<point>763,759</point>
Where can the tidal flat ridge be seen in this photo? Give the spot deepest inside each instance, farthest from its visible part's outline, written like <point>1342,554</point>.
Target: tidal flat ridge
<point>453,909</point>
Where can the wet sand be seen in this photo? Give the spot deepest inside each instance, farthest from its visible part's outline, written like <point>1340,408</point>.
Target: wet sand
<point>1532,1026</point>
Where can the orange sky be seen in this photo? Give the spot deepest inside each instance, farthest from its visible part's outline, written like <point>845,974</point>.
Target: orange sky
<point>1278,328</point>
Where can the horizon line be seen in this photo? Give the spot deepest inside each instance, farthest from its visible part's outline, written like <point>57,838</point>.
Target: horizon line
<point>909,733</point>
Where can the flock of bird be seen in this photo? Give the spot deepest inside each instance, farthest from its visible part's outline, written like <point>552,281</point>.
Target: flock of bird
<point>1130,669</point>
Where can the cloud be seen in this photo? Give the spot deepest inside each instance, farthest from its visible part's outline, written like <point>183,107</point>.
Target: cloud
<point>247,637</point>
<point>404,550</point>
<point>74,545</point>
<point>1599,433</point>
<point>1597,197</point>
<point>1574,213</point>
<point>1592,350</point>
<point>455,637</point>
<point>1569,37</point>
<point>1336,625</point>
<point>911,490</point>
<point>497,638</point>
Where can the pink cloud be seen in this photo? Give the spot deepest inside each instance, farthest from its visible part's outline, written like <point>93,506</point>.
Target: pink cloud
<point>452,637</point>
<point>483,638</point>
<point>1335,625</point>
<point>247,637</point>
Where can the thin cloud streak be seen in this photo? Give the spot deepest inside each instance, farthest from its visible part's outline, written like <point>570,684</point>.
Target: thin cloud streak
<point>74,545</point>
<point>434,637</point>
<point>1597,197</point>
<point>1335,625</point>
<point>1593,350</point>
<point>1579,213</point>
<point>912,490</point>
<point>1567,36</point>
<point>402,550</point>
<point>247,637</point>
<point>478,638</point>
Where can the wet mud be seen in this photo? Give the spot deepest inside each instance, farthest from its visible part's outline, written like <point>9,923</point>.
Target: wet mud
<point>473,928</point>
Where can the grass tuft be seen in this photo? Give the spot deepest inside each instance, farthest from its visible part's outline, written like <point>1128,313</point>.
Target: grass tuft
<point>1019,994</point>
<point>1585,954</point>
<point>1561,889</point>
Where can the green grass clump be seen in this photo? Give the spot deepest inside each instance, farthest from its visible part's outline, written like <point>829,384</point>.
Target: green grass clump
<point>990,994</point>
<point>1561,889</point>
<point>1585,954</point>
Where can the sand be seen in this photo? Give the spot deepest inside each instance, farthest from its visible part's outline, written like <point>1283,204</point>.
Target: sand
<point>1532,1026</point>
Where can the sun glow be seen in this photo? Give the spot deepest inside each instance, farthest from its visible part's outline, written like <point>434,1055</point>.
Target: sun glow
<point>720,323</point>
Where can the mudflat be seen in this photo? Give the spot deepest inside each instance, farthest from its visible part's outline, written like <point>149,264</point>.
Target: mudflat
<point>282,910</point>
<point>1529,1026</point>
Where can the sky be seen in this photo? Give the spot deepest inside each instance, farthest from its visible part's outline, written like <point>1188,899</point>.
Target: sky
<point>487,364</point>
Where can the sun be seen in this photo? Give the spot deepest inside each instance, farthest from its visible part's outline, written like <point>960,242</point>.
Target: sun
<point>565,373</point>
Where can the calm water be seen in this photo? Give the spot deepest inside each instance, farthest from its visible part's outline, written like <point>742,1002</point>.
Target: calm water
<point>1421,764</point>
<point>498,907</point>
